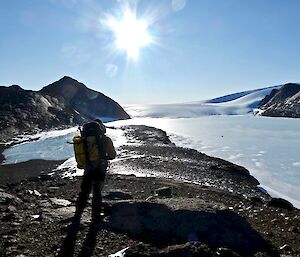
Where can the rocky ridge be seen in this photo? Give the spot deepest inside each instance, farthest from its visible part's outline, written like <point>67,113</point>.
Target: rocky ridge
<point>223,214</point>
<point>283,102</point>
<point>63,103</point>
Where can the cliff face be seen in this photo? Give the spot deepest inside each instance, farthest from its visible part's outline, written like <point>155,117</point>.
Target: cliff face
<point>63,103</point>
<point>283,102</point>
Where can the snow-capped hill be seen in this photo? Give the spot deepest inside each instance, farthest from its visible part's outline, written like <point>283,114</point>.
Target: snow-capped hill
<point>282,102</point>
<point>231,97</point>
<point>250,100</point>
<point>253,94</point>
<point>233,104</point>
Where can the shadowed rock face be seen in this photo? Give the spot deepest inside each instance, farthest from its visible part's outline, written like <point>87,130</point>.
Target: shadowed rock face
<point>283,102</point>
<point>89,103</point>
<point>66,102</point>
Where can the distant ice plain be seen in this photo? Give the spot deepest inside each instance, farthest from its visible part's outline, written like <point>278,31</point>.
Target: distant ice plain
<point>268,147</point>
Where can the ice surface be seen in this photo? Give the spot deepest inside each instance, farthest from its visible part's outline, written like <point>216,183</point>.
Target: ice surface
<point>53,145</point>
<point>235,104</point>
<point>268,147</point>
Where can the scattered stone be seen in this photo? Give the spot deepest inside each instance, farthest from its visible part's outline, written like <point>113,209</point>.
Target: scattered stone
<point>45,204</point>
<point>10,216</point>
<point>188,249</point>
<point>293,229</point>
<point>15,224</point>
<point>140,250</point>
<point>34,192</point>
<point>6,198</point>
<point>164,192</point>
<point>11,208</point>
<point>35,216</point>
<point>63,213</point>
<point>281,203</point>
<point>285,248</point>
<point>53,188</point>
<point>117,195</point>
<point>60,202</point>
<point>225,252</point>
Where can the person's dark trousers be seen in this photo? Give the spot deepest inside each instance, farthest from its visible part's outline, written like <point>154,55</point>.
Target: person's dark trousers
<point>92,179</point>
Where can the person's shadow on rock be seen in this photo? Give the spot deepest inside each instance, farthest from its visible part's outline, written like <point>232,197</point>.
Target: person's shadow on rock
<point>89,243</point>
<point>68,245</point>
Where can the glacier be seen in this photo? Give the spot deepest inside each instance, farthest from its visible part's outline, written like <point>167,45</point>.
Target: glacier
<point>235,104</point>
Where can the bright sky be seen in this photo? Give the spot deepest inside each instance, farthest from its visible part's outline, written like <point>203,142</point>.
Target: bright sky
<point>151,51</point>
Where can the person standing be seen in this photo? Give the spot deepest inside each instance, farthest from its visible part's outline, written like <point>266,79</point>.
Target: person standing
<point>99,149</point>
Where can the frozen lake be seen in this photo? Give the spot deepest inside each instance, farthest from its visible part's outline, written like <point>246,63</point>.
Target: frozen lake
<point>268,147</point>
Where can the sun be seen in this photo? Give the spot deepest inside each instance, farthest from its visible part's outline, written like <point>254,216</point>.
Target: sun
<point>130,33</point>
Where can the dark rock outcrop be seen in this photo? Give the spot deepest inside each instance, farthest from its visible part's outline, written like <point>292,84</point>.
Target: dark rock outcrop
<point>66,102</point>
<point>23,110</point>
<point>280,203</point>
<point>283,102</point>
<point>88,102</point>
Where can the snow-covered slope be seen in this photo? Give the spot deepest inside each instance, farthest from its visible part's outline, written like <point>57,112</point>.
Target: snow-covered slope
<point>233,104</point>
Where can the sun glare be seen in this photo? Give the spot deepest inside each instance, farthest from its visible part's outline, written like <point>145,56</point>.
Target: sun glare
<point>130,33</point>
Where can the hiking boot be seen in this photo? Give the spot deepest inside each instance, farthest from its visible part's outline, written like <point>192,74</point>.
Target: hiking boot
<point>75,222</point>
<point>97,219</point>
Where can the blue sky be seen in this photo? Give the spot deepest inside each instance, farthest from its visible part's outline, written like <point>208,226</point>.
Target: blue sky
<point>201,48</point>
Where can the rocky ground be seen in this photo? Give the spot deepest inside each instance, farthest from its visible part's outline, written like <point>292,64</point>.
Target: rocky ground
<point>222,213</point>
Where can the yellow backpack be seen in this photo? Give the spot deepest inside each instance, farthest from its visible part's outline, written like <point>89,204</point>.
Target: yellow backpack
<point>92,145</point>
<point>79,150</point>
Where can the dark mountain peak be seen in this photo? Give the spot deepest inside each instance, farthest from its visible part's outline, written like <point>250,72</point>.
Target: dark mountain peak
<point>69,80</point>
<point>65,87</point>
<point>88,102</point>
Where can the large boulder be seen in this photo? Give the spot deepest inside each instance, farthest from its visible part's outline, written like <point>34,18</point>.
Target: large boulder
<point>280,203</point>
<point>169,221</point>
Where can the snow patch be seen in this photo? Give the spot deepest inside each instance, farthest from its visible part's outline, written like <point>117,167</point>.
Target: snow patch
<point>70,168</point>
<point>119,254</point>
